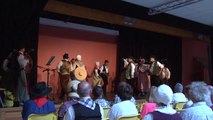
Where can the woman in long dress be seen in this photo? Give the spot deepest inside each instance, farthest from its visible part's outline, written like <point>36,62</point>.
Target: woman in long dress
<point>143,83</point>
<point>97,81</point>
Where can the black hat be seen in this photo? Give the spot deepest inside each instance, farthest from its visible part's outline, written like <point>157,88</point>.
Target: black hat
<point>40,90</point>
<point>65,56</point>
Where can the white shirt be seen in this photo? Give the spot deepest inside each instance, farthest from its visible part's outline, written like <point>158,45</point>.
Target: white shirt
<point>164,109</point>
<point>198,111</point>
<point>121,109</point>
<point>106,68</point>
<point>179,97</point>
<point>70,114</point>
<point>4,65</point>
<point>22,61</point>
<point>158,65</point>
<point>132,70</point>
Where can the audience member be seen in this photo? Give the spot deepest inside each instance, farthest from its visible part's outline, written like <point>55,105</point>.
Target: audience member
<point>198,93</point>
<point>39,104</point>
<point>117,99</point>
<point>86,108</point>
<point>151,105</point>
<point>72,99</point>
<point>125,107</point>
<point>189,102</point>
<point>178,96</point>
<point>164,111</point>
<point>211,90</point>
<point>98,94</point>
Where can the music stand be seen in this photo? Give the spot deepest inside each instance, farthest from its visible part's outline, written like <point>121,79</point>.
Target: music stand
<point>48,68</point>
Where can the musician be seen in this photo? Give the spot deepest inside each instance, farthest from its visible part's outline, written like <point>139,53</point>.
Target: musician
<point>21,93</point>
<point>155,70</point>
<point>64,68</point>
<point>73,67</point>
<point>80,71</point>
<point>130,72</point>
<point>104,74</point>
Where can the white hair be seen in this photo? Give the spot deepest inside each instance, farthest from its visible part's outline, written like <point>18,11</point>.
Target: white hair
<point>199,91</point>
<point>97,63</point>
<point>78,57</point>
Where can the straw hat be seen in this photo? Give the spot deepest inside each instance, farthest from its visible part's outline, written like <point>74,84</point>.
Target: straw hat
<point>80,73</point>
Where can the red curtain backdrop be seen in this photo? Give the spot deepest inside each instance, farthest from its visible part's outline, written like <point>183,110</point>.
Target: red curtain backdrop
<point>92,46</point>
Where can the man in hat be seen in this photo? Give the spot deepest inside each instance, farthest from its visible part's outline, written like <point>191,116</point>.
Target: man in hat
<point>64,68</point>
<point>104,70</point>
<point>86,107</point>
<point>39,104</point>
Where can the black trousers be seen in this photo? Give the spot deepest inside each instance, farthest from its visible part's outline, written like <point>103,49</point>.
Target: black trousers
<point>105,80</point>
<point>155,80</point>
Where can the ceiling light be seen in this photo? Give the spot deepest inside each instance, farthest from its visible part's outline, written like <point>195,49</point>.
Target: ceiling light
<point>170,6</point>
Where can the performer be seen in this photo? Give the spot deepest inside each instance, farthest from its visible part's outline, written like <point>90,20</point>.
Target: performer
<point>64,68</point>
<point>80,72</point>
<point>123,73</point>
<point>21,92</point>
<point>97,81</point>
<point>130,72</point>
<point>104,74</point>
<point>155,69</point>
<point>165,75</point>
<point>142,73</point>
<point>73,67</point>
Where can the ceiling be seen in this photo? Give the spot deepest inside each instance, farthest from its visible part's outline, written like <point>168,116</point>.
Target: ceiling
<point>201,12</point>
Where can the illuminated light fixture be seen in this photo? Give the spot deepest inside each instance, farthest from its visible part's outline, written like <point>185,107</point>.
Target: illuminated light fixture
<point>170,6</point>
<point>129,20</point>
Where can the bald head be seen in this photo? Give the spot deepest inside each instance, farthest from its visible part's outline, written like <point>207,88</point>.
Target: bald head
<point>84,89</point>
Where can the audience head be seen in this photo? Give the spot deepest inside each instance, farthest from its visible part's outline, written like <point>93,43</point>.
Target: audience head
<point>40,90</point>
<point>72,89</point>
<point>199,91</point>
<point>78,57</point>
<point>65,56</point>
<point>97,92</point>
<point>164,94</point>
<point>84,89</point>
<point>211,91</point>
<point>178,88</point>
<point>124,91</point>
<point>151,94</point>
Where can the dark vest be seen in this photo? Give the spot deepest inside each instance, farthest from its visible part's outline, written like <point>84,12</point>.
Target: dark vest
<point>162,116</point>
<point>84,113</point>
<point>66,66</point>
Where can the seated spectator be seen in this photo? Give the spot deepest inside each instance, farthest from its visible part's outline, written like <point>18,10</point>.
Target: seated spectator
<point>198,92</point>
<point>178,96</point>
<point>189,102</point>
<point>117,99</point>
<point>73,98</point>
<point>98,94</point>
<point>39,104</point>
<point>86,108</point>
<point>209,100</point>
<point>125,107</point>
<point>164,111</point>
<point>150,106</point>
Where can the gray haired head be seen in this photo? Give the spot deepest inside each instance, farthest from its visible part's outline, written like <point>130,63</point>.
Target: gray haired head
<point>199,91</point>
<point>178,88</point>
